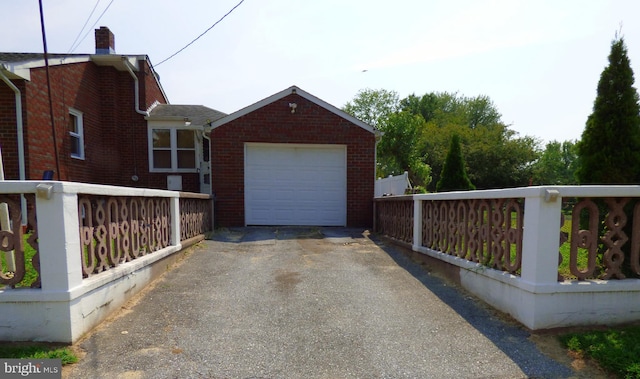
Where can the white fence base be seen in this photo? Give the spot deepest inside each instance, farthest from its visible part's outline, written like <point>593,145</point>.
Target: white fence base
<point>548,306</point>
<point>73,299</point>
<point>37,315</point>
<point>447,226</point>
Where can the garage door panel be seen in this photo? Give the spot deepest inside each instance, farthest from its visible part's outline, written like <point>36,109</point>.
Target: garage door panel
<point>305,196</point>
<point>295,185</point>
<point>283,195</point>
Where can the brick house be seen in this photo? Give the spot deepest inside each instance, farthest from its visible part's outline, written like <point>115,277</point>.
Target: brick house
<point>112,123</point>
<point>290,159</point>
<point>293,159</point>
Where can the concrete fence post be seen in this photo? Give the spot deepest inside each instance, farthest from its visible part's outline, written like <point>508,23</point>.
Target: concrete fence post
<point>58,238</point>
<point>541,239</point>
<point>174,205</point>
<point>213,213</point>
<point>417,223</point>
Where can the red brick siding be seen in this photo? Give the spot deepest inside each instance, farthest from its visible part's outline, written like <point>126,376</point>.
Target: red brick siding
<point>115,135</point>
<point>274,123</point>
<point>149,89</point>
<point>8,129</point>
<point>105,39</point>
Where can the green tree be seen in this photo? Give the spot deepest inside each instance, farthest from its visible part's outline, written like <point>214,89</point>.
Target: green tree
<point>425,106</point>
<point>454,175</point>
<point>557,164</point>
<point>418,131</point>
<point>398,151</point>
<point>373,106</point>
<point>610,145</point>
<point>500,158</point>
<point>608,150</point>
<point>497,156</point>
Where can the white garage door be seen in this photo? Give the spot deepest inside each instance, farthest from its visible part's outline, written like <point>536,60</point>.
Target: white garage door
<point>295,184</point>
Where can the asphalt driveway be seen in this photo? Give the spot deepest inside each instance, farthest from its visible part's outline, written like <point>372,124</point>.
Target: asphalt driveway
<point>307,303</point>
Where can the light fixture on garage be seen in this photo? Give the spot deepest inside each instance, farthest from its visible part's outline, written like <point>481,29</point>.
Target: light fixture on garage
<point>187,122</point>
<point>293,107</point>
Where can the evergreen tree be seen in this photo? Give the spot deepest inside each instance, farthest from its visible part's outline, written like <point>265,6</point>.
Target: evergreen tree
<point>454,176</point>
<point>609,151</point>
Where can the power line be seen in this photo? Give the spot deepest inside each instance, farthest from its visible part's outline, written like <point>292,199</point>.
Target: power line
<point>52,118</point>
<point>203,33</point>
<point>92,26</point>
<point>83,26</point>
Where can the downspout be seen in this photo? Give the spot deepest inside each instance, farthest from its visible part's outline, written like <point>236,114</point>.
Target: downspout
<point>19,124</point>
<point>20,133</point>
<point>136,90</point>
<point>136,87</point>
<point>378,137</point>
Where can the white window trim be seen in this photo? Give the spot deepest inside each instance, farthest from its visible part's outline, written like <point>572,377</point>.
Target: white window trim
<point>174,150</point>
<point>80,134</point>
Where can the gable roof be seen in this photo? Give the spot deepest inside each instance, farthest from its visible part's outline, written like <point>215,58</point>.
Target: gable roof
<point>196,114</point>
<point>294,90</point>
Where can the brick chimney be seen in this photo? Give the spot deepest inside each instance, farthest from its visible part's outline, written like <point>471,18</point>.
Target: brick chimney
<point>105,41</point>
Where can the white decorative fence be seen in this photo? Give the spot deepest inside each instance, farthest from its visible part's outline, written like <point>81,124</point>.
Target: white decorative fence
<point>505,245</point>
<point>91,247</point>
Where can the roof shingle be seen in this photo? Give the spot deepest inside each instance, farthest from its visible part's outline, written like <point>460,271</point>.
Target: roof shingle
<point>198,114</point>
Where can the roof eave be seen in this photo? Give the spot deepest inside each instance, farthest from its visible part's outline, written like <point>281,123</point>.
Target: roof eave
<point>14,73</point>
<point>294,90</point>
<point>22,69</point>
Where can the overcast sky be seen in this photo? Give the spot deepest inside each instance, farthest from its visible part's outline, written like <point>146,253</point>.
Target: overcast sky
<point>539,61</point>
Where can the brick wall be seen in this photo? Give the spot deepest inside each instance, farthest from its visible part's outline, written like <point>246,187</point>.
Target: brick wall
<point>8,130</point>
<point>149,89</point>
<point>274,123</point>
<point>115,135</point>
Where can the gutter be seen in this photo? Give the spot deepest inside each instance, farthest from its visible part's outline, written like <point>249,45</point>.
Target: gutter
<point>20,134</point>
<point>130,68</point>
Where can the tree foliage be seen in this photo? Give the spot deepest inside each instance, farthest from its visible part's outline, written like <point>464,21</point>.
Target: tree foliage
<point>610,145</point>
<point>418,131</point>
<point>454,175</point>
<point>497,156</point>
<point>557,164</point>
<point>373,106</point>
<point>398,151</point>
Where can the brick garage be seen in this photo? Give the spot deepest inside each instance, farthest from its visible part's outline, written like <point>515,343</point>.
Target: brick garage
<point>310,127</point>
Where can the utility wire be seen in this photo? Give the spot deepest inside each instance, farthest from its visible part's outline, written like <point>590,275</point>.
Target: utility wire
<point>46,65</point>
<point>203,33</point>
<point>83,26</point>
<point>92,26</point>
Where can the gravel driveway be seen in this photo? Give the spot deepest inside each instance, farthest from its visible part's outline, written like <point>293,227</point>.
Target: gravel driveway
<point>307,303</point>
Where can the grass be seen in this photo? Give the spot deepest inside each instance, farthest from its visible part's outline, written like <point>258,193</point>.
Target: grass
<point>30,274</point>
<point>38,351</point>
<point>33,350</point>
<point>616,350</point>
<point>582,258</point>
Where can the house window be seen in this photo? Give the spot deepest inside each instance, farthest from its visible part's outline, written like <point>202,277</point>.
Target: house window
<point>76,134</point>
<point>172,150</point>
